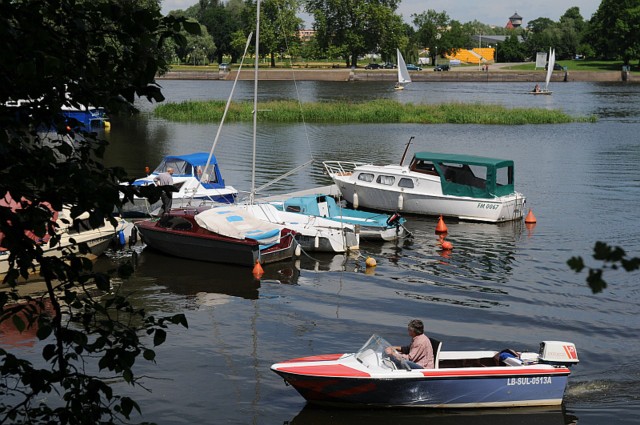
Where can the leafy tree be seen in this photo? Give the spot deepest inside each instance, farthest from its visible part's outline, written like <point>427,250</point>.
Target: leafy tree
<point>279,26</point>
<point>431,26</point>
<point>98,52</point>
<point>541,34</point>
<point>612,258</point>
<point>352,27</point>
<point>511,50</point>
<point>221,22</point>
<point>614,30</point>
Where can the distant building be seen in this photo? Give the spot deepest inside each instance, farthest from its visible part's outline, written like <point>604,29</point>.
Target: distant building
<point>306,35</point>
<point>515,21</point>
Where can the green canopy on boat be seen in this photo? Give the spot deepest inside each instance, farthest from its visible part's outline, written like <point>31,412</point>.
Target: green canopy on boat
<point>469,175</point>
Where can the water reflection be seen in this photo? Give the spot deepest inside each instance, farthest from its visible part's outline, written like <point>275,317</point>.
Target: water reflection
<point>191,278</point>
<point>310,415</point>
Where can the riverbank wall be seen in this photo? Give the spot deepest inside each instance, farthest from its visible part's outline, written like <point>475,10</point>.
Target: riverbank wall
<point>460,75</point>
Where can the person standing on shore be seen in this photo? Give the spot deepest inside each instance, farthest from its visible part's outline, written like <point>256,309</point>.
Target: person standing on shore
<point>165,179</point>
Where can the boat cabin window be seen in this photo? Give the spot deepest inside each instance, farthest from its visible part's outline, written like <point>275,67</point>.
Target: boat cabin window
<point>208,175</point>
<point>405,182</point>
<point>504,176</point>
<point>386,180</point>
<point>420,166</point>
<point>180,167</point>
<point>365,177</point>
<point>175,223</point>
<point>465,175</point>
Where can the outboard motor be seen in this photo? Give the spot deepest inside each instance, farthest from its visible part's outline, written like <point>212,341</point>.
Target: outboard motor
<point>558,353</point>
<point>394,220</point>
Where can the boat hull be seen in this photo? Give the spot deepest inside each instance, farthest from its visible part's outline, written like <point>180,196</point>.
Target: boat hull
<point>429,392</point>
<point>142,208</point>
<point>201,245</point>
<point>494,210</point>
<point>98,241</point>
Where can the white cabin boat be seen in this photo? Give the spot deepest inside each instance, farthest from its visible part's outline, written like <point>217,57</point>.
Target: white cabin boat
<point>463,186</point>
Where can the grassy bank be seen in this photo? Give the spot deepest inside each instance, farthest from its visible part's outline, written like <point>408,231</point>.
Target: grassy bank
<point>377,111</point>
<point>578,65</point>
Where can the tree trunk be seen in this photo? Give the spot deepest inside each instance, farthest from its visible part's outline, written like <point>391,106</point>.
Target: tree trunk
<point>273,60</point>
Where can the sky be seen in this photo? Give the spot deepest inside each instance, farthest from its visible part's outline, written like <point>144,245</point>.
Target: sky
<point>491,12</point>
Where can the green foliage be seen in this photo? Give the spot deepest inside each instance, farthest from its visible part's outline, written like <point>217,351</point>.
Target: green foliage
<point>353,28</point>
<point>611,257</point>
<point>614,29</point>
<point>278,26</point>
<point>377,111</point>
<point>99,52</point>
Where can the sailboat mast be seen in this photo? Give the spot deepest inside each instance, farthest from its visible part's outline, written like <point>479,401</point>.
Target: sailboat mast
<point>255,105</point>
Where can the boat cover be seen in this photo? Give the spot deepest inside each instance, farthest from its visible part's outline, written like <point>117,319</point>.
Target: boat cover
<point>192,165</point>
<point>457,178</point>
<point>235,222</point>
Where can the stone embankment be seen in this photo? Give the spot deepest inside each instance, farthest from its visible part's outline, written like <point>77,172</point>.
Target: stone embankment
<point>455,75</point>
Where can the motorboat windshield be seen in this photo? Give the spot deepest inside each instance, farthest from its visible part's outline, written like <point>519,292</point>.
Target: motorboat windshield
<point>374,356</point>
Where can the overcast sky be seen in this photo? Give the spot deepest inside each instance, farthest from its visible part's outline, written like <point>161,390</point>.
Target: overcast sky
<point>492,12</point>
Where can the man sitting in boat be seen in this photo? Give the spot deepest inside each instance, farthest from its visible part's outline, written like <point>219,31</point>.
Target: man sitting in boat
<point>536,89</point>
<point>419,354</point>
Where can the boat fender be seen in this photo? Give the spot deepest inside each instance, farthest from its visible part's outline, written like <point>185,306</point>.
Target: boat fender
<point>298,250</point>
<point>400,202</point>
<point>133,237</point>
<point>121,238</point>
<point>355,200</point>
<point>316,242</point>
<point>394,220</point>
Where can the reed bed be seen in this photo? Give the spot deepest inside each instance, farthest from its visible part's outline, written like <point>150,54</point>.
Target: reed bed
<point>376,111</point>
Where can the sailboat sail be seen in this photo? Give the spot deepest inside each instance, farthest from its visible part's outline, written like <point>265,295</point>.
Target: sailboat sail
<point>403,73</point>
<point>552,61</point>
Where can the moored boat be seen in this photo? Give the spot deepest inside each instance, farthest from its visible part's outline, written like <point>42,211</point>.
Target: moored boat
<point>197,184</point>
<point>463,186</point>
<point>86,118</point>
<point>373,226</point>
<point>460,379</point>
<point>74,232</point>
<point>223,234</point>
<point>314,234</point>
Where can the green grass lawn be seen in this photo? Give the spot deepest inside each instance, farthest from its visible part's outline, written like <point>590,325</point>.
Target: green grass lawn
<point>581,65</point>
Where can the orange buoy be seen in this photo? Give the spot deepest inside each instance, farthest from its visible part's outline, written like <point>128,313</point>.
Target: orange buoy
<point>257,270</point>
<point>446,245</point>
<point>530,217</point>
<point>370,262</point>
<point>441,227</point>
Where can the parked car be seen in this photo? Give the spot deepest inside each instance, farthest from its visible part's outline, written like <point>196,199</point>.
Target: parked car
<point>373,66</point>
<point>556,67</point>
<point>390,65</point>
<point>441,68</point>
<point>412,67</point>
<point>224,67</point>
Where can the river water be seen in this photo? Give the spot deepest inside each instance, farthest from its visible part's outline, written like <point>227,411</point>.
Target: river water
<point>502,286</point>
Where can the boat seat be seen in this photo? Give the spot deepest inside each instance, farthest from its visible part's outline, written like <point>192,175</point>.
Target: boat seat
<point>436,346</point>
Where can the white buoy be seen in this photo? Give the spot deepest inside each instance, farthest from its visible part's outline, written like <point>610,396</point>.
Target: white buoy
<point>355,200</point>
<point>316,242</point>
<point>400,202</point>
<point>298,250</point>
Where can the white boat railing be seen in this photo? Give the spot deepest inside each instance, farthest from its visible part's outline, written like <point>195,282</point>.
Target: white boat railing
<point>341,168</point>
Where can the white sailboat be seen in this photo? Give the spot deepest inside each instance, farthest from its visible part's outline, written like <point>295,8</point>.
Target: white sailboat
<point>403,73</point>
<point>550,65</point>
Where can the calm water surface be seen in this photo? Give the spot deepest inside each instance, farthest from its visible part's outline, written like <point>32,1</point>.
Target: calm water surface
<point>501,287</point>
